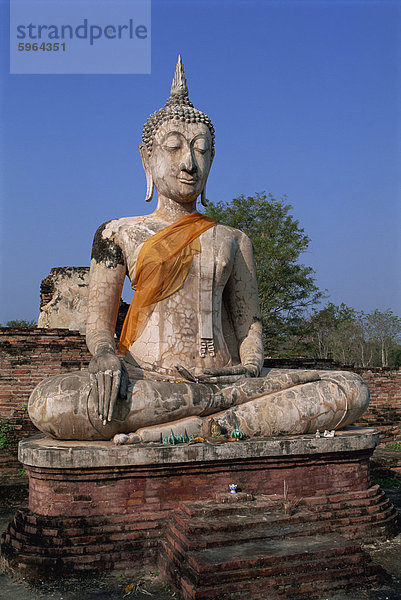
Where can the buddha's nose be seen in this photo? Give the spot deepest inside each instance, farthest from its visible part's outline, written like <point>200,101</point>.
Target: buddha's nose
<point>188,164</point>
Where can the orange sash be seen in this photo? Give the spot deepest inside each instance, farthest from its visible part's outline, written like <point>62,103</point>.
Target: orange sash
<point>162,267</point>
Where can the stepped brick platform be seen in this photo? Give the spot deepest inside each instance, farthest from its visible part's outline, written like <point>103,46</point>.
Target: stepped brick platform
<point>221,550</point>
<point>94,506</point>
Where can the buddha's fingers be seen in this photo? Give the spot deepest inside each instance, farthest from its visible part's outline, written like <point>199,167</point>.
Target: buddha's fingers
<point>185,373</point>
<point>226,371</point>
<point>108,377</point>
<point>124,381</point>
<point>223,379</point>
<point>100,387</point>
<point>114,393</point>
<point>94,390</point>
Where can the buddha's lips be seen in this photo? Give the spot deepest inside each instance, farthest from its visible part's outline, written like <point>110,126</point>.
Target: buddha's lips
<point>187,180</point>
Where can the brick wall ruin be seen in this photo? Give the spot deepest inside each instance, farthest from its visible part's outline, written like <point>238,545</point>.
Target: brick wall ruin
<point>64,300</point>
<point>26,357</point>
<point>29,355</point>
<point>384,411</point>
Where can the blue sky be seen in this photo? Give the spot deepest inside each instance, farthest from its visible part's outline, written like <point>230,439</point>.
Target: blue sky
<point>305,99</point>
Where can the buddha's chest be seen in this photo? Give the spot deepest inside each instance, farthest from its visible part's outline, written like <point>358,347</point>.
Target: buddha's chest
<point>210,268</point>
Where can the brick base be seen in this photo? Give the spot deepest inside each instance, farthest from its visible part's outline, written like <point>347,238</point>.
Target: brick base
<point>113,515</point>
<point>228,551</point>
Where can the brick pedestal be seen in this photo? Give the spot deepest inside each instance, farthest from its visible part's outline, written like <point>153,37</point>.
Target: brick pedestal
<point>96,506</point>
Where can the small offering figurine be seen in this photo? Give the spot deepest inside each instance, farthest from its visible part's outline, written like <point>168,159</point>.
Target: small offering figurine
<point>237,434</point>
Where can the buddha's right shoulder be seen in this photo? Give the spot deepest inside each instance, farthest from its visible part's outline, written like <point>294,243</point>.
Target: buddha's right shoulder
<point>118,230</point>
<point>111,238</point>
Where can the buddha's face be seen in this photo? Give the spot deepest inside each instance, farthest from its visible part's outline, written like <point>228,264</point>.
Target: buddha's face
<point>181,159</point>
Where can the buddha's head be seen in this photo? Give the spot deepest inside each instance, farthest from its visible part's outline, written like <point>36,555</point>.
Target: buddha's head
<point>178,146</point>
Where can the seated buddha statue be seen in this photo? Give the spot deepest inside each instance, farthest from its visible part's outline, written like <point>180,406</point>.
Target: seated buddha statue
<point>191,348</point>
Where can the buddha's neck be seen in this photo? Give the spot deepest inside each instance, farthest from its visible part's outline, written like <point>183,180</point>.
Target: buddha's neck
<point>170,210</point>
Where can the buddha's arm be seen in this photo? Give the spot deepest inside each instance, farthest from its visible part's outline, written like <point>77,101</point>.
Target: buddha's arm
<point>106,280</point>
<point>105,286</point>
<point>241,295</point>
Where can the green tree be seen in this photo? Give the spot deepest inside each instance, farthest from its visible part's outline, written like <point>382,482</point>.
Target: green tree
<point>395,356</point>
<point>351,337</point>
<point>384,330</point>
<point>336,332</point>
<point>22,323</point>
<point>286,287</point>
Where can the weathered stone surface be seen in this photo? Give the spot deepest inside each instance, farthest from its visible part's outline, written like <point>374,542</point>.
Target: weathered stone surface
<point>64,299</point>
<point>194,346</point>
<point>43,452</point>
<point>280,402</point>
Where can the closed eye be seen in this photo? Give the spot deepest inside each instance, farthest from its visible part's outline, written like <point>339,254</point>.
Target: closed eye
<point>172,142</point>
<point>201,145</point>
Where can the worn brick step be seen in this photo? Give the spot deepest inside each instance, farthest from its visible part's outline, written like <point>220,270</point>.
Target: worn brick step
<point>32,547</point>
<point>297,574</point>
<point>262,502</point>
<point>263,531</point>
<point>361,532</point>
<point>49,571</point>
<point>361,499</point>
<point>304,585</point>
<point>17,537</point>
<point>92,521</point>
<point>238,521</point>
<point>67,564</point>
<point>212,508</point>
<point>369,518</point>
<point>188,538</point>
<point>311,571</point>
<point>107,545</point>
<point>368,498</point>
<point>366,504</point>
<point>50,526</point>
<point>249,516</point>
<point>372,505</point>
<point>287,571</point>
<point>306,591</point>
<point>254,586</point>
<point>268,552</point>
<point>342,509</point>
<point>346,496</point>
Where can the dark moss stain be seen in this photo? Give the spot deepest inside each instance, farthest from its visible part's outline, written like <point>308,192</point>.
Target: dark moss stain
<point>106,251</point>
<point>285,446</point>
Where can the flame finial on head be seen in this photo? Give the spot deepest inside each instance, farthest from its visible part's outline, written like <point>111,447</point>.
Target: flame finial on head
<point>179,85</point>
<point>178,107</point>
<point>179,89</point>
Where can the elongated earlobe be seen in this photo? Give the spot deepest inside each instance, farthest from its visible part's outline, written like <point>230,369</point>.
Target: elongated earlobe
<point>149,178</point>
<point>149,188</point>
<point>204,201</point>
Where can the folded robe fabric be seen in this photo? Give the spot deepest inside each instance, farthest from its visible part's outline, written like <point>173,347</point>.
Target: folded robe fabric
<point>162,266</point>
